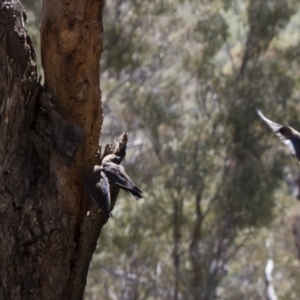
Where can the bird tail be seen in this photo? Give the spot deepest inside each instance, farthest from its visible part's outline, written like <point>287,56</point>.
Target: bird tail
<point>135,192</point>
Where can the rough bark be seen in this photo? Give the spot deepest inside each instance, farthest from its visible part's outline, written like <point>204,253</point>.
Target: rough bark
<point>48,141</point>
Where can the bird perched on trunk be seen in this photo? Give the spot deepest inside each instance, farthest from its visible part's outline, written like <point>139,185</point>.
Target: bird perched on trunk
<point>116,174</point>
<point>286,134</point>
<point>98,189</point>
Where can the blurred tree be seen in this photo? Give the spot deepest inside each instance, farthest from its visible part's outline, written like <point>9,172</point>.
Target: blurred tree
<point>184,79</point>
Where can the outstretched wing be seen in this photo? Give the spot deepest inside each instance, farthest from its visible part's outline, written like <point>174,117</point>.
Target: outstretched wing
<point>275,127</point>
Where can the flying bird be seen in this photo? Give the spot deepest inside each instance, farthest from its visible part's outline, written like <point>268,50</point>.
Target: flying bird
<point>98,189</point>
<point>116,174</point>
<point>286,134</point>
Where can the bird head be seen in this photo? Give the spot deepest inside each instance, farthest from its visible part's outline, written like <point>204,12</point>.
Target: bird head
<point>286,132</point>
<point>112,158</point>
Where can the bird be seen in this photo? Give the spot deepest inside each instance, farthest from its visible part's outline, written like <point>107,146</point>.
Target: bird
<point>116,174</point>
<point>97,186</point>
<point>288,135</point>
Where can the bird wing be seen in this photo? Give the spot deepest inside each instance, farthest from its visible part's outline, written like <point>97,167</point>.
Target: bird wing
<point>275,127</point>
<point>103,186</point>
<point>291,146</point>
<point>116,173</point>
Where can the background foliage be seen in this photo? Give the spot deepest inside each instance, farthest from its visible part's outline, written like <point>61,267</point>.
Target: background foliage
<point>184,78</point>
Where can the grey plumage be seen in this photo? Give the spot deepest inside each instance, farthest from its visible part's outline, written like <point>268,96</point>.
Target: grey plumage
<point>98,189</point>
<point>103,187</point>
<point>116,174</point>
<point>288,135</point>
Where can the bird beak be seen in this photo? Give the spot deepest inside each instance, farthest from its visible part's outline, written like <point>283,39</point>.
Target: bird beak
<point>97,168</point>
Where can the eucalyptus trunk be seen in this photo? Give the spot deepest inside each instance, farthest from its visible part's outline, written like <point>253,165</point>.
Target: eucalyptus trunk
<point>48,141</point>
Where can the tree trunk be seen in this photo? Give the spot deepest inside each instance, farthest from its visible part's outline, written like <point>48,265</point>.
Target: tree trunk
<point>195,253</point>
<point>48,140</point>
